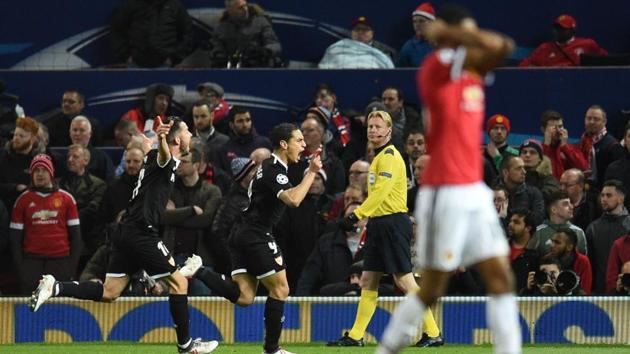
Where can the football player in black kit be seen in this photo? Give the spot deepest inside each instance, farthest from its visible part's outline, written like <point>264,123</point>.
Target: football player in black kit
<point>137,245</point>
<point>255,255</point>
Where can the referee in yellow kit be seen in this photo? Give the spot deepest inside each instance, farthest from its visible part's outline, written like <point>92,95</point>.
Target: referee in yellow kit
<point>389,232</point>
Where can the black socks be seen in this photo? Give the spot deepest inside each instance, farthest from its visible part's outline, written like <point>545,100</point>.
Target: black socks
<point>178,305</point>
<point>86,290</point>
<point>219,284</point>
<point>274,317</point>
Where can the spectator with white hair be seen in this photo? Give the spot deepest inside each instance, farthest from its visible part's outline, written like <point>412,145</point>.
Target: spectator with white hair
<point>100,163</point>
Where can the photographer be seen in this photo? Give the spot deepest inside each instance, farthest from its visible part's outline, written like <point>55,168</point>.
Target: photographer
<point>623,280</point>
<point>548,280</point>
<point>564,247</point>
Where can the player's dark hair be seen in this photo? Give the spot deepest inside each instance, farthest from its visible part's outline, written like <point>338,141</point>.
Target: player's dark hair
<point>617,184</point>
<point>571,235</point>
<point>235,111</point>
<point>453,14</point>
<point>282,131</point>
<point>177,126</point>
<point>549,115</point>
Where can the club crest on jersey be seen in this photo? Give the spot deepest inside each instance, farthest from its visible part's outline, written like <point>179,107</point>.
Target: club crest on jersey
<point>473,98</point>
<point>57,203</point>
<point>282,179</point>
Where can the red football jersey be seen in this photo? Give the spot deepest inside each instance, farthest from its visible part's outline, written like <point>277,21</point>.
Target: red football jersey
<point>454,105</point>
<point>44,219</point>
<point>568,54</point>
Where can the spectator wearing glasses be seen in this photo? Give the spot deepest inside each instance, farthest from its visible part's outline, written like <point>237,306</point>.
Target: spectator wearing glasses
<point>585,201</point>
<point>72,105</point>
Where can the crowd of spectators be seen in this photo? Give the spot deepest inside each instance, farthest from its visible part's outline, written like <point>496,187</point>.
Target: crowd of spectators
<point>563,206</point>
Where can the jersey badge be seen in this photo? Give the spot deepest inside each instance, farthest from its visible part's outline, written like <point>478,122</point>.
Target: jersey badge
<point>57,203</point>
<point>282,179</point>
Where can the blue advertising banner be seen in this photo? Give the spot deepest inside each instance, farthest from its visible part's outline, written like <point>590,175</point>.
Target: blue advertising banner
<point>580,320</point>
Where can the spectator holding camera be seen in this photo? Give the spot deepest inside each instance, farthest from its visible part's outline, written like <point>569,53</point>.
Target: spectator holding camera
<point>619,257</point>
<point>244,37</point>
<point>555,145</point>
<point>564,247</point>
<point>549,280</point>
<point>623,280</point>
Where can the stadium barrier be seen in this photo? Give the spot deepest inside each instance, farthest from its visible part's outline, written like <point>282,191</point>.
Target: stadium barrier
<point>580,320</point>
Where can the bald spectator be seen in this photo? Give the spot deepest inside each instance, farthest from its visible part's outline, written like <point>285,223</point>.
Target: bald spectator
<point>215,94</point>
<point>520,194</point>
<point>598,146</point>
<point>88,192</point>
<point>417,47</point>
<point>538,168</point>
<point>124,131</point>
<point>16,159</point>
<point>585,201</point>
<point>498,127</point>
<point>556,145</point>
<point>358,174</point>
<point>352,194</point>
<point>101,164</point>
<point>360,51</point>
<point>620,169</point>
<point>259,155</point>
<point>72,105</point>
<point>565,48</point>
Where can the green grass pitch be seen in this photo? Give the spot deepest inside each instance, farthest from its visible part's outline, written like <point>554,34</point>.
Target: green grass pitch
<point>314,348</point>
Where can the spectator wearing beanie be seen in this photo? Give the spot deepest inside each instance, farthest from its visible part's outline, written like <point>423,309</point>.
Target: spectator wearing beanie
<point>16,159</point>
<point>538,168</point>
<point>232,205</point>
<point>45,230</point>
<point>498,128</point>
<point>417,47</point>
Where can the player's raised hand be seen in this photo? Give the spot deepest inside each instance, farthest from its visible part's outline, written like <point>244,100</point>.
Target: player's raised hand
<point>163,129</point>
<point>315,162</point>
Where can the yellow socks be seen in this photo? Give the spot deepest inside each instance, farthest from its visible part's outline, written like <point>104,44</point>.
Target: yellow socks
<point>429,326</point>
<point>365,311</point>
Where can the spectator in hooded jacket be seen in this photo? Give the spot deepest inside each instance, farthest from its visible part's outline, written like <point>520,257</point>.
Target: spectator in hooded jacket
<point>565,48</point>
<point>244,37</point>
<point>157,103</point>
<point>538,168</point>
<point>151,33</point>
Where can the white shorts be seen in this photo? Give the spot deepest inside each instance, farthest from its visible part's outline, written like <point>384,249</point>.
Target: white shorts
<point>457,226</point>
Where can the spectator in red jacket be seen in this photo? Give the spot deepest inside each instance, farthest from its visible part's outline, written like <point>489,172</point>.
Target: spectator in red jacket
<point>565,48</point>
<point>564,246</point>
<point>619,255</point>
<point>45,231</point>
<point>563,155</point>
<point>157,103</point>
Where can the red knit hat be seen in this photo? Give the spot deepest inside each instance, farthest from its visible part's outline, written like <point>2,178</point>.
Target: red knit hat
<point>498,119</point>
<point>363,21</point>
<point>42,160</point>
<point>565,21</point>
<point>425,10</point>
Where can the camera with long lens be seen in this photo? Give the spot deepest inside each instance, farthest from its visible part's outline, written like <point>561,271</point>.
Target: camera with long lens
<point>542,277</point>
<point>567,282</point>
<point>625,280</point>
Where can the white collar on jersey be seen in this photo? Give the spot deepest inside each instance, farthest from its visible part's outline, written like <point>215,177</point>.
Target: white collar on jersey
<point>277,159</point>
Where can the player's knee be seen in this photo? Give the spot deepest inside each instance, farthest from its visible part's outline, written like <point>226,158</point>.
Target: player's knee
<point>245,300</point>
<point>280,292</point>
<point>179,285</point>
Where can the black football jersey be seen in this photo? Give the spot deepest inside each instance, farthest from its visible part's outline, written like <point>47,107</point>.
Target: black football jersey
<point>265,208</point>
<point>152,191</point>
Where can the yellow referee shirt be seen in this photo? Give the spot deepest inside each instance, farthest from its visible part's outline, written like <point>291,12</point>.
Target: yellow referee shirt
<point>387,185</point>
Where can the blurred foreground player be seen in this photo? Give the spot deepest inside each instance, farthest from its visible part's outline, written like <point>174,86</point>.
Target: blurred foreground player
<point>137,244</point>
<point>459,225</point>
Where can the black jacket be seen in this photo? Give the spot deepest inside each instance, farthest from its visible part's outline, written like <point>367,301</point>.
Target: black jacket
<point>328,263</point>
<point>528,198</point>
<point>607,151</point>
<point>151,31</point>
<point>229,213</point>
<point>620,170</point>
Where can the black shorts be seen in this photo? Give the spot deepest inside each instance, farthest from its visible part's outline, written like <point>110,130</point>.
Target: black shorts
<point>387,248</point>
<point>255,251</point>
<point>134,249</point>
